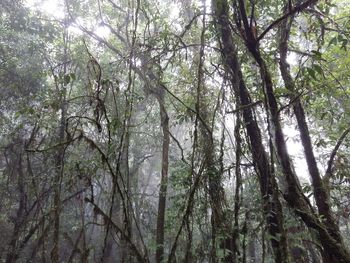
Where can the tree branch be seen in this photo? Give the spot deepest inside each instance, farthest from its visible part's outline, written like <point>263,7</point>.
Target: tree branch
<point>138,254</point>
<point>328,173</point>
<point>295,10</point>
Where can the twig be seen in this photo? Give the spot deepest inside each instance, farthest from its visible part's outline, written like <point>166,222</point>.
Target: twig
<point>245,106</point>
<point>328,173</point>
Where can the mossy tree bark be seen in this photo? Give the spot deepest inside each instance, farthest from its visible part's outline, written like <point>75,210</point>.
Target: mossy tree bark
<point>272,206</point>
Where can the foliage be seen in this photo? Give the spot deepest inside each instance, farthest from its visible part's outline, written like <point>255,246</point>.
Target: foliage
<point>90,94</point>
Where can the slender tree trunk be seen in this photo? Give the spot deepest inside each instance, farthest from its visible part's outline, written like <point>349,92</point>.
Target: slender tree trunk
<point>245,233</point>
<point>272,210</point>
<point>164,179</point>
<point>238,186</point>
<point>320,192</point>
<point>13,252</point>
<point>221,230</point>
<point>216,194</point>
<point>57,187</point>
<point>125,173</point>
<point>188,254</point>
<point>59,157</point>
<point>59,161</point>
<point>154,87</point>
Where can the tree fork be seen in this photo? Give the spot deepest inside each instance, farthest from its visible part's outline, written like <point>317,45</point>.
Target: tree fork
<point>272,210</point>
<point>320,193</point>
<point>335,252</point>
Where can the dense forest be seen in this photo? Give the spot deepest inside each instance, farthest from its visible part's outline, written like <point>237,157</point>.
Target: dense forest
<point>175,131</point>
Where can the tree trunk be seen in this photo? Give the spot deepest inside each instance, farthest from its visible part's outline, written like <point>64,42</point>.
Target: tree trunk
<point>154,87</point>
<point>13,251</point>
<point>57,188</point>
<point>164,179</point>
<point>221,230</point>
<point>59,157</point>
<point>59,162</point>
<point>320,193</point>
<point>238,186</point>
<point>293,194</point>
<point>272,207</point>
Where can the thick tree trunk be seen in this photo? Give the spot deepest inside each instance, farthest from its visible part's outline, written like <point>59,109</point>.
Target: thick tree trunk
<point>320,192</point>
<point>272,207</point>
<point>293,194</point>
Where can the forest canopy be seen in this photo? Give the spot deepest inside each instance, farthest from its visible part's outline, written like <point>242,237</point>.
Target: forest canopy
<point>175,131</point>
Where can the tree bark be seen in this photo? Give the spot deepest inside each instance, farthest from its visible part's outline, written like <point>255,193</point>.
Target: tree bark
<point>164,179</point>
<point>221,229</point>
<point>59,162</point>
<point>293,194</point>
<point>13,250</point>
<point>272,207</point>
<point>154,87</point>
<point>236,253</point>
<point>320,192</point>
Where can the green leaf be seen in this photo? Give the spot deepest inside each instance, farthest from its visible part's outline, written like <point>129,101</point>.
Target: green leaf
<point>340,38</point>
<point>72,76</point>
<point>344,44</point>
<point>318,69</point>
<point>333,41</point>
<point>30,110</point>
<point>66,80</point>
<point>311,73</point>
<point>316,54</point>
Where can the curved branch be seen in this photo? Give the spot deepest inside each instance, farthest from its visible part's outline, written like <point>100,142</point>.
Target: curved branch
<point>328,174</point>
<point>294,10</point>
<point>138,254</point>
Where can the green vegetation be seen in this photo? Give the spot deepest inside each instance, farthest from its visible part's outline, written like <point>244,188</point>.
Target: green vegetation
<point>174,131</point>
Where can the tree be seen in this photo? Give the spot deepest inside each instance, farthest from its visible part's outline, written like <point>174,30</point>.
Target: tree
<point>161,131</point>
